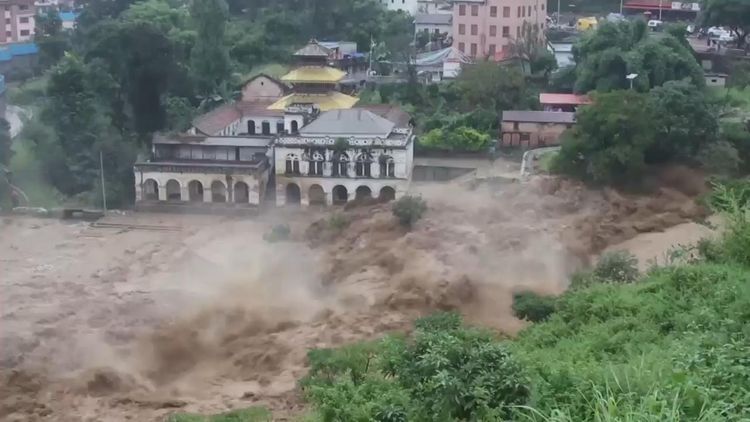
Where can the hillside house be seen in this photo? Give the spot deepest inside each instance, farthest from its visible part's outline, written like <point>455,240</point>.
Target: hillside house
<point>530,129</point>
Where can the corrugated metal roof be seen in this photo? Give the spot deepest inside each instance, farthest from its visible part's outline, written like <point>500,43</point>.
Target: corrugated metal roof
<point>538,116</point>
<point>390,112</point>
<point>216,120</point>
<point>563,99</point>
<point>68,16</point>
<point>353,122</point>
<point>433,19</point>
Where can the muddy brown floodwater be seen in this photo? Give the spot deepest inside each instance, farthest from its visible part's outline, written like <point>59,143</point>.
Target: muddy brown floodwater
<point>114,324</point>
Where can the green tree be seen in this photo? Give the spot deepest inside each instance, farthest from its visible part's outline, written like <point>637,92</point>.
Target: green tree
<point>734,14</point>
<point>491,86</point>
<point>607,55</point>
<point>51,39</point>
<point>209,57</point>
<point>461,138</point>
<point>608,144</point>
<point>686,121</point>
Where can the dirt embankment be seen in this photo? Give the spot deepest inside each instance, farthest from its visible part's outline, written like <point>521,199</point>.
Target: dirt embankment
<point>217,318</point>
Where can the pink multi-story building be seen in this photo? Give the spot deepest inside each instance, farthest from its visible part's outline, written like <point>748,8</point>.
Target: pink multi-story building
<point>486,28</point>
<point>17,22</point>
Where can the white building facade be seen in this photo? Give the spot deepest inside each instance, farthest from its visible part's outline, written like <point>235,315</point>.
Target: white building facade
<point>345,155</point>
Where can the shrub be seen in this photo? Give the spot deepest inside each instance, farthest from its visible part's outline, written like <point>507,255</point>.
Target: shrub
<point>408,209</point>
<point>533,307</point>
<point>617,266</point>
<point>278,233</point>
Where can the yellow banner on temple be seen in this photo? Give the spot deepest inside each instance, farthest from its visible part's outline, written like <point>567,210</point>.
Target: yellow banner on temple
<point>314,74</point>
<point>330,101</point>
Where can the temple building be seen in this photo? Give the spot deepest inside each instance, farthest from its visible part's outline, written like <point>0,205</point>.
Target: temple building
<point>298,138</point>
<point>346,154</point>
<point>314,82</point>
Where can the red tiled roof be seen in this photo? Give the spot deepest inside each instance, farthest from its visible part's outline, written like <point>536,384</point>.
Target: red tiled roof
<point>563,99</point>
<point>258,109</point>
<point>217,119</point>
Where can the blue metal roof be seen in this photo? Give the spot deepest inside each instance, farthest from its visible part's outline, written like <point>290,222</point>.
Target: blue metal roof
<point>19,49</point>
<point>68,16</point>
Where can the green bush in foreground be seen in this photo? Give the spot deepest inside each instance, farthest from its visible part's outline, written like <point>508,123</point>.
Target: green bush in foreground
<point>251,414</point>
<point>533,307</point>
<point>444,371</point>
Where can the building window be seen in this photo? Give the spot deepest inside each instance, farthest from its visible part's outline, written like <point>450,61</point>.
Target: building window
<point>25,32</point>
<point>316,164</point>
<point>341,166</point>
<point>492,50</point>
<point>363,166</point>
<point>8,34</point>
<point>295,126</point>
<point>493,11</point>
<point>461,29</point>
<point>473,50</point>
<point>474,29</point>
<point>461,46</point>
<point>518,32</point>
<point>23,7</point>
<point>506,11</point>
<point>24,20</point>
<point>387,166</point>
<point>474,10</point>
<point>461,10</point>
<point>265,128</point>
<point>542,7</point>
<point>515,126</point>
<point>506,31</point>
<point>518,12</point>
<point>7,21</point>
<point>528,12</point>
<point>280,127</point>
<point>493,30</point>
<point>292,164</point>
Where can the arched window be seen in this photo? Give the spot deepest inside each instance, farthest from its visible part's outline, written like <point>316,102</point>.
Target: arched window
<point>251,127</point>
<point>364,165</point>
<point>387,166</point>
<point>292,164</point>
<point>295,126</point>
<point>316,164</point>
<point>151,190</point>
<point>341,165</point>
<point>265,128</point>
<point>280,127</point>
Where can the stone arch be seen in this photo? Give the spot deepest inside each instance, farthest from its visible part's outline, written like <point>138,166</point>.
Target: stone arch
<point>195,191</point>
<point>218,191</point>
<point>363,192</point>
<point>150,190</point>
<point>340,194</point>
<point>317,196</point>
<point>363,166</point>
<point>174,191</point>
<point>292,164</point>
<point>241,193</point>
<point>387,193</point>
<point>293,196</point>
<point>387,166</point>
<point>251,127</point>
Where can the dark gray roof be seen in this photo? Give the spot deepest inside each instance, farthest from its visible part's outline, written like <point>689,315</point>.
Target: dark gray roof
<point>352,122</point>
<point>433,19</point>
<point>539,116</point>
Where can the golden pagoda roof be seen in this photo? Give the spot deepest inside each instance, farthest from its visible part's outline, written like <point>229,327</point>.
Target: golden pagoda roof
<point>314,74</point>
<point>329,101</point>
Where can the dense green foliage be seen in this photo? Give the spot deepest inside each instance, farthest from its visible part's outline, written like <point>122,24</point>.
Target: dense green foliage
<point>623,131</point>
<point>252,414</point>
<point>459,139</point>
<point>444,371</point>
<point>605,56</point>
<point>409,209</point>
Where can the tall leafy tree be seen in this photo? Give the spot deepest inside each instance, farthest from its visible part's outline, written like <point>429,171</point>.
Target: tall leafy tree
<point>209,57</point>
<point>606,56</point>
<point>50,38</point>
<point>734,14</point>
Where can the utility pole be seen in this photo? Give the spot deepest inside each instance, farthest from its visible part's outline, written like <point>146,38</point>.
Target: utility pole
<point>101,172</point>
<point>660,2</point>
